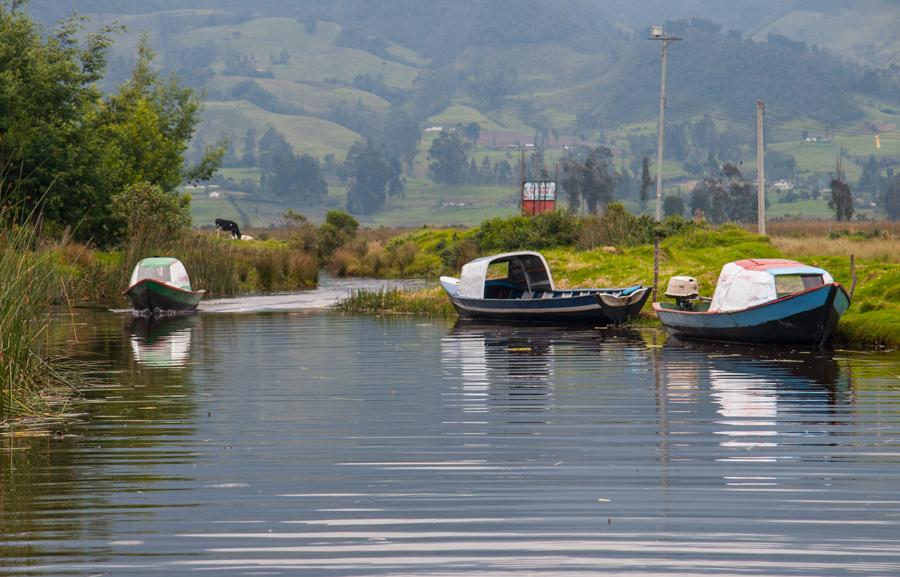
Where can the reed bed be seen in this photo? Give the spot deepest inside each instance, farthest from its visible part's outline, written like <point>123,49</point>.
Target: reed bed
<point>220,266</point>
<point>426,302</point>
<point>29,378</point>
<point>825,228</point>
<point>886,250</point>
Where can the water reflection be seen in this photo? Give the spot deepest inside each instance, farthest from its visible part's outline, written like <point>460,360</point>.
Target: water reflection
<point>329,444</point>
<point>513,368</point>
<point>501,366</point>
<point>162,342</point>
<point>771,405</point>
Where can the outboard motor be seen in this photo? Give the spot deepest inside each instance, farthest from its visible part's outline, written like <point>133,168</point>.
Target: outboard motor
<point>683,289</point>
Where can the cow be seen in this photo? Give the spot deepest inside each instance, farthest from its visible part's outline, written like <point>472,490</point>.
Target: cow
<point>230,226</point>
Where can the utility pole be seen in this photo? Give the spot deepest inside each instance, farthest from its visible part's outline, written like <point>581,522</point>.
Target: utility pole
<point>760,169</point>
<point>656,33</point>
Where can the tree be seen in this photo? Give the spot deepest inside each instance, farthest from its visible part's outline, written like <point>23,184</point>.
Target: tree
<point>841,196</point>
<point>841,199</point>
<point>700,198</point>
<point>339,228</point>
<point>892,197</point>
<point>591,181</point>
<point>870,179</point>
<point>646,180</point>
<point>673,205</point>
<point>47,108</point>
<point>472,131</point>
<point>728,198</point>
<point>287,176</point>
<point>147,125</point>
<point>490,87</point>
<point>72,147</point>
<point>248,157</point>
<point>373,177</point>
<point>447,155</point>
<point>311,187</point>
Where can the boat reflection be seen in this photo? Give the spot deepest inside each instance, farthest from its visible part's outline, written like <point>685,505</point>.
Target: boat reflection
<point>513,368</point>
<point>763,395</point>
<point>162,342</point>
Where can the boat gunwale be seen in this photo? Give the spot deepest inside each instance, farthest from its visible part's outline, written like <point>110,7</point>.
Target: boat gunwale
<point>657,306</point>
<point>162,283</point>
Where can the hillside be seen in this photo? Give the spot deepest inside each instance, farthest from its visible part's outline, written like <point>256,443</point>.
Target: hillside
<point>327,74</point>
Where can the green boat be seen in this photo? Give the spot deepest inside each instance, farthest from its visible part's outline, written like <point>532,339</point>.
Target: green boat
<point>160,285</point>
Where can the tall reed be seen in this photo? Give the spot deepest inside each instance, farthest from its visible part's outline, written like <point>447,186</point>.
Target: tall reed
<point>30,284</point>
<point>429,301</point>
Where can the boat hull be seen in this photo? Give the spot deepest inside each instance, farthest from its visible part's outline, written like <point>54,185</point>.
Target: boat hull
<point>806,318</point>
<point>152,296</point>
<point>595,308</point>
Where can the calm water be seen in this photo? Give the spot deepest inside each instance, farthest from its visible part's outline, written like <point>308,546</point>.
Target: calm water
<point>315,443</point>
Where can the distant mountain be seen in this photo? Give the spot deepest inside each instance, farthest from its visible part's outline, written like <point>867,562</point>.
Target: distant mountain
<point>863,30</point>
<point>331,69</point>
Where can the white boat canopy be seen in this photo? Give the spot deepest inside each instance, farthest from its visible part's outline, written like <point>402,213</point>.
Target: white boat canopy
<point>166,269</point>
<point>746,283</point>
<point>525,270</point>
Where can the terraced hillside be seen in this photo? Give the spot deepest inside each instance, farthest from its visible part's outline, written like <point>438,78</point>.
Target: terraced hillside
<point>326,75</point>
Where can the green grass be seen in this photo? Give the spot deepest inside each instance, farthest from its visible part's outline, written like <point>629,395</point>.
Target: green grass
<point>805,208</point>
<point>315,98</point>
<point>460,114</point>
<point>873,319</point>
<point>426,302</point>
<point>428,203</point>
<point>307,135</point>
<point>205,211</point>
<point>813,157</point>
<point>314,57</point>
<point>239,173</point>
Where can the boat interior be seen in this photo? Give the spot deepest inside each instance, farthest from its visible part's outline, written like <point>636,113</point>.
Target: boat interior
<point>503,289</point>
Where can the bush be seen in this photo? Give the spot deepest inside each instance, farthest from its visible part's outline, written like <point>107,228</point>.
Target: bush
<point>338,229</point>
<point>546,230</point>
<point>618,227</point>
<point>147,211</point>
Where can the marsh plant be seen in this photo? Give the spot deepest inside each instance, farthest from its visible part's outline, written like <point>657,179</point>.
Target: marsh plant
<point>30,284</point>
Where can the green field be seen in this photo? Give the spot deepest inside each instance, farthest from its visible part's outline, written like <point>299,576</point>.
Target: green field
<point>313,57</point>
<point>312,97</point>
<point>307,135</point>
<point>553,82</point>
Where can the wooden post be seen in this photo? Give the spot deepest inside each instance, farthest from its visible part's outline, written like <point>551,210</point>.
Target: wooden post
<point>852,275</point>
<point>655,266</point>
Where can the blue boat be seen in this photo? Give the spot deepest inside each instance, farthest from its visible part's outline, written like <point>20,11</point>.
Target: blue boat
<point>760,301</point>
<point>517,286</point>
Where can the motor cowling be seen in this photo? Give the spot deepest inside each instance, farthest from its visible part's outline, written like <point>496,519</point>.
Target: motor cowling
<point>683,289</point>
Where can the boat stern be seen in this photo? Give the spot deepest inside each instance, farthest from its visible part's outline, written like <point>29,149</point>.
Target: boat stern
<point>625,305</point>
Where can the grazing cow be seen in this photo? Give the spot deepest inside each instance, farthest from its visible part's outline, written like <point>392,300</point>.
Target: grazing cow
<point>230,226</point>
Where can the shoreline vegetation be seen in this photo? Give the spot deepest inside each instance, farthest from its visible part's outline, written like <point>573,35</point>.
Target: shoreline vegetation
<point>610,250</point>
<point>616,250</point>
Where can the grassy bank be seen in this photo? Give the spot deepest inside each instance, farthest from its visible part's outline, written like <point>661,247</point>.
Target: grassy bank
<point>615,252</point>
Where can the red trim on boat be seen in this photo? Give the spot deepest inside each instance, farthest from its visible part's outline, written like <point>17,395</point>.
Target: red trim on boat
<point>766,263</point>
